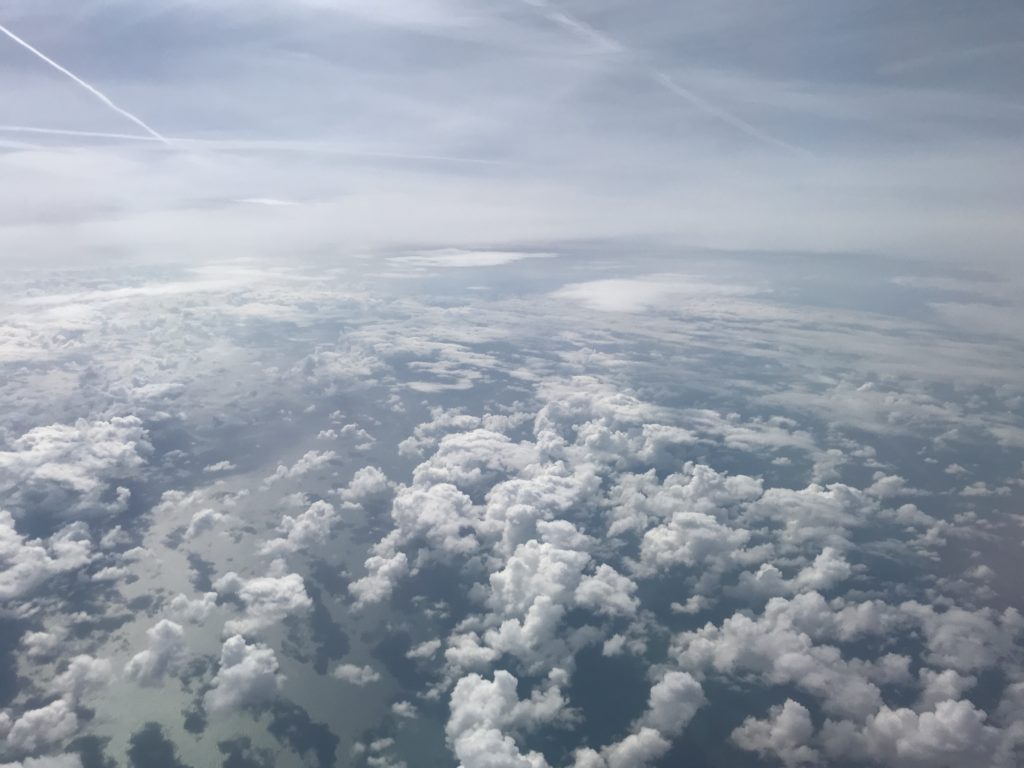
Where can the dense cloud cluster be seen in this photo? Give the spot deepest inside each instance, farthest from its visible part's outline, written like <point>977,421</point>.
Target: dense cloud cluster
<point>489,571</point>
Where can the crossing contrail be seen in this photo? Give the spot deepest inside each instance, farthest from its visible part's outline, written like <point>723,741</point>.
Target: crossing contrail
<point>610,45</point>
<point>99,95</point>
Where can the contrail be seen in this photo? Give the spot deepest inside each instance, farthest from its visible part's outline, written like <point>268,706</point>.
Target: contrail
<point>81,82</point>
<point>70,132</point>
<point>611,45</point>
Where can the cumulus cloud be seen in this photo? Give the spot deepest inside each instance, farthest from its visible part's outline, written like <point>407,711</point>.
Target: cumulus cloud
<point>69,468</point>
<point>356,675</point>
<point>247,675</point>
<point>195,610</point>
<point>785,735</point>
<point>25,564</point>
<point>163,656</point>
<point>486,714</point>
<point>303,531</point>
<point>307,463</point>
<point>267,599</point>
<point>42,727</point>
<point>84,675</point>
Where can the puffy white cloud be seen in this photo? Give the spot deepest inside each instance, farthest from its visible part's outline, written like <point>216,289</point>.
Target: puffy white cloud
<point>937,687</point>
<point>474,460</point>
<point>404,709</point>
<point>607,592</point>
<point>967,640</point>
<point>303,531</point>
<point>83,676</point>
<point>70,467</point>
<point>41,727</point>
<point>310,461</point>
<point>382,575</point>
<point>673,702</point>
<point>356,675</point>
<point>368,485</point>
<point>41,645</point>
<point>827,569</point>
<point>786,735</point>
<point>775,648</point>
<point>268,599</point>
<point>25,564</point>
<point>163,656</point>
<point>194,611</point>
<point>486,715</point>
<point>202,521</point>
<point>955,734</point>
<point>424,650</point>
<point>248,675</point>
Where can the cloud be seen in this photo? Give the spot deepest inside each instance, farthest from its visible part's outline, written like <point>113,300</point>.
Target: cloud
<point>25,564</point>
<point>356,675</point>
<point>641,294</point>
<point>310,461</point>
<point>84,676</point>
<point>69,469</point>
<point>194,611</point>
<point>49,761</point>
<point>163,656</point>
<point>248,675</point>
<point>785,735</point>
<point>485,715</point>
<point>268,600</point>
<point>955,733</point>
<point>42,727</point>
<point>301,532</point>
<point>458,258</point>
<point>79,81</point>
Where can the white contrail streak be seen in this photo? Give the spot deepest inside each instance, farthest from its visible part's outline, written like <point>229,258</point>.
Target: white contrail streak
<point>611,45</point>
<point>263,146</point>
<point>70,132</point>
<point>81,82</point>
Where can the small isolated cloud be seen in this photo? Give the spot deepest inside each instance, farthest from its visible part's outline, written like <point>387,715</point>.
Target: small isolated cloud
<point>248,675</point>
<point>404,709</point>
<point>356,675</point>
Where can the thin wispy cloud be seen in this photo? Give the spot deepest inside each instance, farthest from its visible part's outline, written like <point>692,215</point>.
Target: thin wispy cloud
<point>90,88</point>
<point>610,45</point>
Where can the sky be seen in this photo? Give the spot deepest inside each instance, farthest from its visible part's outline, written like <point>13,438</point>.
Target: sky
<point>522,384</point>
<point>874,129</point>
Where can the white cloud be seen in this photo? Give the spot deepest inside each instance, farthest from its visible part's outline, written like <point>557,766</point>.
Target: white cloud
<point>299,533</point>
<point>42,727</point>
<point>457,257</point>
<point>163,656</point>
<point>248,675</point>
<point>785,735</point>
<point>25,564</point>
<point>356,675</point>
<point>639,294</point>
<point>194,611</point>
<point>268,599</point>
<point>70,468</point>
<point>84,675</point>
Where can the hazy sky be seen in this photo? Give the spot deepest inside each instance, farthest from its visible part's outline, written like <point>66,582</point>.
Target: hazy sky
<point>872,127</point>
